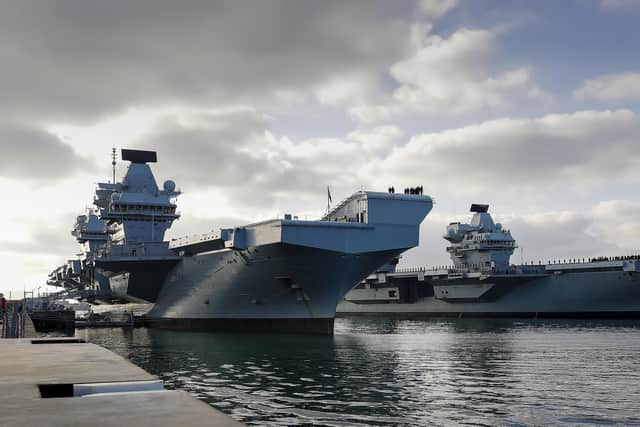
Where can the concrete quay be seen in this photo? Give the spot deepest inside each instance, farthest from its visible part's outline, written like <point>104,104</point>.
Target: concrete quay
<point>66,382</point>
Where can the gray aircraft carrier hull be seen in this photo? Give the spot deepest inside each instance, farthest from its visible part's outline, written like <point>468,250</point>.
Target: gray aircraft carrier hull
<point>588,294</point>
<point>145,276</point>
<point>277,287</point>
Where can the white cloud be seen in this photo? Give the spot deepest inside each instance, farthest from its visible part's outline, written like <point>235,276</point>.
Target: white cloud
<point>230,155</point>
<point>346,89</point>
<point>612,87</point>
<point>436,8</point>
<point>549,235</point>
<point>379,140</point>
<point>38,220</point>
<point>607,228</point>
<point>582,150</point>
<point>617,222</point>
<point>451,76</point>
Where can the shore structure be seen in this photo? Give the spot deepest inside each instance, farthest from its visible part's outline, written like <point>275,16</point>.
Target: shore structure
<point>482,283</point>
<point>63,382</point>
<point>280,275</point>
<point>15,322</point>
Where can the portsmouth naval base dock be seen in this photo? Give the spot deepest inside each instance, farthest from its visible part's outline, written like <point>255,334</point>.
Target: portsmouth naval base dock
<point>66,382</point>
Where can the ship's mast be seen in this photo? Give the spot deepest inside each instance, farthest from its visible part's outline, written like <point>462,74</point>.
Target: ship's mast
<point>113,163</point>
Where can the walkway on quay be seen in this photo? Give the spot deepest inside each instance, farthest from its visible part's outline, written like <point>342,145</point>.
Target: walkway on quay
<point>15,322</point>
<point>65,382</point>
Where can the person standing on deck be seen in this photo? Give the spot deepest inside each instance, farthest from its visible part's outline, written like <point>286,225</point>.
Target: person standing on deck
<point>3,311</point>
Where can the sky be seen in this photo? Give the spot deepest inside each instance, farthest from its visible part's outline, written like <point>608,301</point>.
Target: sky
<point>255,107</point>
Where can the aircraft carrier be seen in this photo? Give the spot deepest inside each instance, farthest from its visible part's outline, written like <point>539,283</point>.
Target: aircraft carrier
<point>281,275</point>
<point>481,282</point>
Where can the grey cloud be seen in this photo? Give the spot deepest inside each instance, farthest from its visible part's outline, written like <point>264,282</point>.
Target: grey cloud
<point>618,223</point>
<point>583,149</point>
<point>611,87</point>
<point>556,235</point>
<point>232,151</point>
<point>33,154</point>
<point>210,155</point>
<point>50,239</point>
<point>206,154</point>
<point>75,58</point>
<point>452,76</point>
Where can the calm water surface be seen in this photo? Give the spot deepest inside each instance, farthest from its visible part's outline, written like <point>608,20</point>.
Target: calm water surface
<point>404,372</point>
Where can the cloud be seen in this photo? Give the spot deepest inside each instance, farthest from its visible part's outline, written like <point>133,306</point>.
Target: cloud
<point>436,8</point>
<point>203,149</point>
<point>234,165</point>
<point>71,59</point>
<point>253,173</point>
<point>611,87</point>
<point>249,105</point>
<point>518,155</point>
<point>46,239</point>
<point>346,90</point>
<point>620,5</point>
<point>32,154</point>
<point>607,228</point>
<point>617,222</point>
<point>451,76</point>
<point>26,272</point>
<point>234,170</point>
<point>231,164</point>
<point>549,235</point>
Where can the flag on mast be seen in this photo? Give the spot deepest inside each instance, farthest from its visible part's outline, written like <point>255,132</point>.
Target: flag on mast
<point>329,195</point>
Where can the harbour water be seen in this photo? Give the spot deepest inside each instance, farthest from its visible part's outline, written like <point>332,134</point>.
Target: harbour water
<point>404,372</point>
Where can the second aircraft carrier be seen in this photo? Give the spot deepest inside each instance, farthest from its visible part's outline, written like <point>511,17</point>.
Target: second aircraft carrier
<point>481,282</point>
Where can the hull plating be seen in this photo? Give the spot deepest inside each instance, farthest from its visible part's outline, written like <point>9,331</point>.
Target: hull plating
<point>584,294</point>
<point>263,284</point>
<point>289,326</point>
<point>145,276</point>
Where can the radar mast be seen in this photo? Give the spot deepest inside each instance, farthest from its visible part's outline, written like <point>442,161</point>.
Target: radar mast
<point>113,163</point>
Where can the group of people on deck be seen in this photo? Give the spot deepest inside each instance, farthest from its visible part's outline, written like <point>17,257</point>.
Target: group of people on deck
<point>411,190</point>
<point>615,258</point>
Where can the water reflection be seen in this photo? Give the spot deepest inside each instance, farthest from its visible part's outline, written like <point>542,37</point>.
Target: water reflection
<point>410,372</point>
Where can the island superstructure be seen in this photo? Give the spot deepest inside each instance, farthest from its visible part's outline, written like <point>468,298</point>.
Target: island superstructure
<point>481,282</point>
<point>122,235</point>
<point>282,275</point>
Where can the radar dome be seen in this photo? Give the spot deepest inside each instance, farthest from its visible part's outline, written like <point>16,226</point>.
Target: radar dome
<point>169,186</point>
